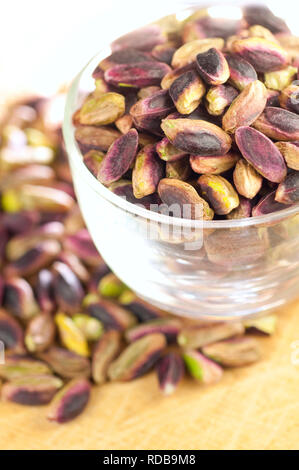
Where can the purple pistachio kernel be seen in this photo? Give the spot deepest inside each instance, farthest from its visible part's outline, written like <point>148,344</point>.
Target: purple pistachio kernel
<point>273,98</point>
<point>197,336</point>
<point>289,98</point>
<point>124,189</point>
<point>263,155</point>
<point>164,52</point>
<point>208,27</point>
<point>122,56</point>
<point>142,310</point>
<point>113,316</point>
<point>104,352</point>
<point>267,204</point>
<point>44,290</point>
<point>137,75</point>
<point>19,365</point>
<point>75,264</point>
<point>45,198</point>
<point>179,169</point>
<point>148,112</point>
<point>119,158</point>
<point>201,368</point>
<point>20,244</point>
<point>70,401</point>
<point>174,74</point>
<point>147,91</point>
<point>200,113</point>
<point>91,137</point>
<point>185,198</point>
<point>66,363</point>
<point>196,137</point>
<point>288,191</point>
<point>212,67</point>
<point>158,105</point>
<point>34,259</point>
<point>20,222</point>
<point>81,245</point>
<point>100,271</point>
<point>31,390</point>
<point>93,160</point>
<point>143,39</point>
<point>246,108</point>
<point>19,299</point>
<point>138,358</point>
<point>241,71</point>
<point>31,174</point>
<point>262,15</point>
<point>11,332</point>
<point>262,54</point>
<point>234,352</point>
<point>242,211</point>
<point>147,173</point>
<point>40,333</point>
<point>278,124</point>
<point>187,91</point>
<point>168,152</point>
<point>290,152</point>
<point>213,164</point>
<point>67,288</point>
<point>170,371</point>
<point>219,97</point>
<point>151,125</point>
<point>167,326</point>
<point>219,192</point>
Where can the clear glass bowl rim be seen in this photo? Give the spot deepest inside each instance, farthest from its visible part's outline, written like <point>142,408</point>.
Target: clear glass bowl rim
<point>75,156</point>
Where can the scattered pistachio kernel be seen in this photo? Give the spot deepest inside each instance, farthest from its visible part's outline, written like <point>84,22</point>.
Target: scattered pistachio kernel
<point>137,358</point>
<point>236,352</point>
<point>201,368</point>
<point>71,336</point>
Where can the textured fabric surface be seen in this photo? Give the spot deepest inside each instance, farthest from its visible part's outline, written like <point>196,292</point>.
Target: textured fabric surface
<point>252,408</point>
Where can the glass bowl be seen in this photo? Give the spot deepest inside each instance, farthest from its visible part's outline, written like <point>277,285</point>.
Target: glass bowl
<point>220,269</point>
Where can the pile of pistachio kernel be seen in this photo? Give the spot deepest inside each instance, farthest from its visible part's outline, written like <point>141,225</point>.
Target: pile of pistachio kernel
<point>66,321</point>
<point>203,111</point>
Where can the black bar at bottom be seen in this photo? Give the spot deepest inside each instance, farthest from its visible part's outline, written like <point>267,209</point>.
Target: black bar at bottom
<point>138,458</point>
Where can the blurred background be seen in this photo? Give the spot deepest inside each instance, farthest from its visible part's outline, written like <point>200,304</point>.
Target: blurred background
<point>45,44</point>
